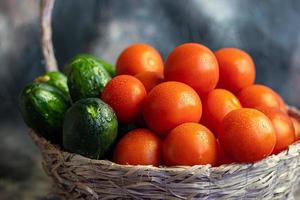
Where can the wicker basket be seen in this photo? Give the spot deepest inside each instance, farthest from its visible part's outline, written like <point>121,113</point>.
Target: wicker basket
<point>78,177</point>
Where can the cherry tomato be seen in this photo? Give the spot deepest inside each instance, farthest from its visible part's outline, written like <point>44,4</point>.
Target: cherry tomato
<point>258,95</point>
<point>296,127</point>
<point>190,144</point>
<point>149,79</point>
<point>282,105</point>
<point>139,147</point>
<point>170,104</point>
<point>284,128</point>
<point>223,158</point>
<point>237,69</point>
<point>138,58</point>
<point>216,104</point>
<point>247,135</point>
<point>125,94</point>
<point>195,65</point>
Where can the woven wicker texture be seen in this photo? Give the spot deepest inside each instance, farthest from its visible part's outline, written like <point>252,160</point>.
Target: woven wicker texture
<point>275,177</point>
<point>77,177</point>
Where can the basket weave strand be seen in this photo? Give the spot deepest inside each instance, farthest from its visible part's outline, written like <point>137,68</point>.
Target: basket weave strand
<point>78,177</point>
<point>46,35</point>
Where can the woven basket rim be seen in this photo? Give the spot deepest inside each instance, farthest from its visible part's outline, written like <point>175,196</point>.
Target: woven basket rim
<point>284,155</point>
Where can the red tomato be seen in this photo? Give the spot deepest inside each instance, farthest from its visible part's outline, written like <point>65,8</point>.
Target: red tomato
<point>237,69</point>
<point>284,128</point>
<point>282,105</point>
<point>195,65</point>
<point>190,144</point>
<point>223,158</point>
<point>216,104</point>
<point>139,147</point>
<point>138,58</point>
<point>258,95</point>
<point>149,79</point>
<point>247,135</point>
<point>296,127</point>
<point>170,104</point>
<point>125,94</point>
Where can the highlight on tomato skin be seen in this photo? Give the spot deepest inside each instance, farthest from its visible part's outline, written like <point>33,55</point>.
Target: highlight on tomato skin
<point>137,58</point>
<point>193,64</point>
<point>190,144</point>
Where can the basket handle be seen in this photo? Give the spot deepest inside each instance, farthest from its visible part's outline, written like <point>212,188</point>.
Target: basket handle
<point>46,8</point>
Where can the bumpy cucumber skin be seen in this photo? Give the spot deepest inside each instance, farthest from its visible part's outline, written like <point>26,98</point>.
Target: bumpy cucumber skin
<point>56,79</point>
<point>86,77</point>
<point>90,128</point>
<point>111,69</point>
<point>43,108</point>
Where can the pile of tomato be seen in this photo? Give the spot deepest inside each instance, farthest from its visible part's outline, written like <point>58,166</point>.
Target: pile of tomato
<point>198,107</point>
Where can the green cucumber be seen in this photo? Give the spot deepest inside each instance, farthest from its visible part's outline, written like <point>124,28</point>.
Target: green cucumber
<point>90,128</point>
<point>86,77</point>
<point>56,79</point>
<point>43,108</point>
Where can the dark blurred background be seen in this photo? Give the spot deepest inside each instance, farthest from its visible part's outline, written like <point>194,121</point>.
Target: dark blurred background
<point>268,30</point>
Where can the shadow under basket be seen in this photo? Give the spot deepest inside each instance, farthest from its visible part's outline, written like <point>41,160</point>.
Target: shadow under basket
<point>78,177</point>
